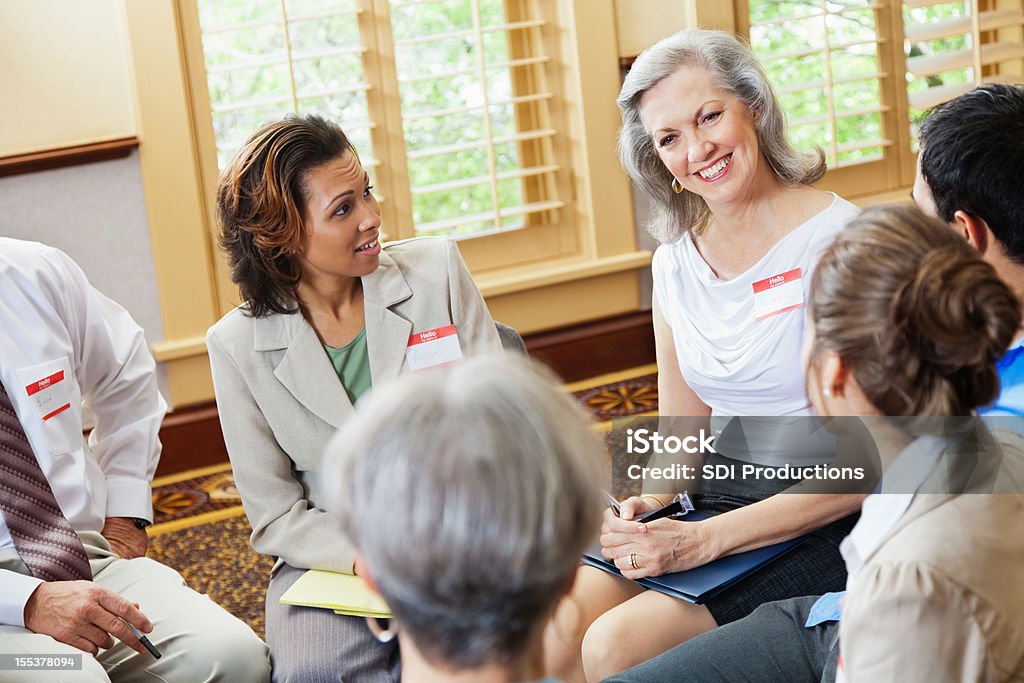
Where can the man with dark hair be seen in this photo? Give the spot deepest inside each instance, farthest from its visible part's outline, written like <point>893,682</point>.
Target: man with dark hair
<point>969,174</point>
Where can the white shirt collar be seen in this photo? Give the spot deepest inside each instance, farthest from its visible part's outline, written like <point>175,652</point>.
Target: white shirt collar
<point>880,513</point>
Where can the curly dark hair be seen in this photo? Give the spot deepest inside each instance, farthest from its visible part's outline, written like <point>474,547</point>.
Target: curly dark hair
<point>261,199</point>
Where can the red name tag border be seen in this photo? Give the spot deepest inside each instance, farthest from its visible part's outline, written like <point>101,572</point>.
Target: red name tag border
<point>781,310</point>
<point>431,335</point>
<point>56,412</point>
<point>46,383</point>
<point>765,284</point>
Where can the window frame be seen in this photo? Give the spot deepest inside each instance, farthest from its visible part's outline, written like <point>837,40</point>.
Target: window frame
<point>587,270</point>
<point>896,167</point>
<point>535,242</point>
<point>895,171</point>
<point>490,254</point>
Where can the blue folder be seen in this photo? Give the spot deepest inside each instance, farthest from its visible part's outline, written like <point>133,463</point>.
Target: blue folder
<point>700,583</point>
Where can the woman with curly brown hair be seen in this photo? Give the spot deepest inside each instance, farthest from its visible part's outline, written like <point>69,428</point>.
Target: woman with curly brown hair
<point>327,313</point>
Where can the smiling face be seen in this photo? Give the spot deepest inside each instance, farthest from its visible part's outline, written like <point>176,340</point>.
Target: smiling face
<point>703,135</point>
<point>341,222</point>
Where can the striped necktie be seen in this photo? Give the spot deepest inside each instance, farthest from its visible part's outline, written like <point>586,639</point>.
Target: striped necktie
<point>44,539</point>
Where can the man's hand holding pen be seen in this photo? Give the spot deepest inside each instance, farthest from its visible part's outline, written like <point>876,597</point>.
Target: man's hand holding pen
<point>85,615</point>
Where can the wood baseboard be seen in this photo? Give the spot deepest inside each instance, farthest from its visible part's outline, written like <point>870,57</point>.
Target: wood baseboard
<point>67,156</point>
<point>596,348</point>
<point>192,438</point>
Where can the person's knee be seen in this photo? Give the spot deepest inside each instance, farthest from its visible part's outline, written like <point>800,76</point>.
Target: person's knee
<point>562,637</point>
<point>303,671</point>
<point>249,654</point>
<point>605,647</point>
<point>230,652</point>
<point>330,666</point>
<point>20,641</point>
<point>92,672</point>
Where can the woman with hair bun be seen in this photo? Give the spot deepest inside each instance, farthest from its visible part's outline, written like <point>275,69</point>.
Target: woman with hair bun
<point>906,321</point>
<point>922,339</point>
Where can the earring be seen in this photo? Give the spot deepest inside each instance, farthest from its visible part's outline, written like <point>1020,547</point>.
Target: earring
<point>384,635</point>
<point>676,187</point>
<point>827,392</point>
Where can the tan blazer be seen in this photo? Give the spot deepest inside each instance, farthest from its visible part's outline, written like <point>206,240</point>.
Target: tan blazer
<point>942,599</point>
<point>280,400</point>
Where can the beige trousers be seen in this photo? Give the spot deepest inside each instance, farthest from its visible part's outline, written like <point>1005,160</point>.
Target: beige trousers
<point>198,639</point>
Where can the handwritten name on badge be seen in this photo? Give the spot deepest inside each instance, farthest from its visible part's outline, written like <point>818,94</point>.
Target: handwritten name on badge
<point>433,348</point>
<point>49,395</point>
<point>778,294</point>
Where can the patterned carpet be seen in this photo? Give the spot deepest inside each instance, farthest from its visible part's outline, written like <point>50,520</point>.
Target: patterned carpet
<point>200,528</point>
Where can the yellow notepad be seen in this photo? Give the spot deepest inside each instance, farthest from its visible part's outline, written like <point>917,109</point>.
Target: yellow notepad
<point>343,593</point>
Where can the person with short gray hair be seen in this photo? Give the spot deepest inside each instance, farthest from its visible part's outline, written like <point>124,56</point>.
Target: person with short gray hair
<point>704,138</point>
<point>469,493</point>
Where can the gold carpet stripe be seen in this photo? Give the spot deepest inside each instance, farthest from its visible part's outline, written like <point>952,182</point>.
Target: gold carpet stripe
<point>612,377</point>
<point>191,474</point>
<point>607,424</point>
<point>196,520</point>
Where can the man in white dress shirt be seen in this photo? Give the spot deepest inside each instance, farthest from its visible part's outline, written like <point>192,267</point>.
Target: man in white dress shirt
<point>73,513</point>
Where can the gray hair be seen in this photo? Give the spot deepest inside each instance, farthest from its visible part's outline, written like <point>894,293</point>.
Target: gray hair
<point>471,492</point>
<point>735,70</point>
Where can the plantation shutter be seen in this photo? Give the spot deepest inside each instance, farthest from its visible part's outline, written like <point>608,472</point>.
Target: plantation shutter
<point>822,58</point>
<point>956,46</point>
<point>450,99</point>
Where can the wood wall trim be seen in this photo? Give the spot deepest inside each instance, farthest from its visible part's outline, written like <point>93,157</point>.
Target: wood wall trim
<point>192,438</point>
<point>63,157</point>
<point>596,348</point>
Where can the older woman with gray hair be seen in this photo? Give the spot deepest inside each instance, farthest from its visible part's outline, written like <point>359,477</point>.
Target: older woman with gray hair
<point>742,229</point>
<point>469,493</point>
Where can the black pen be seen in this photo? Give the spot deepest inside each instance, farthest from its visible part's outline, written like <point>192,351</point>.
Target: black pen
<point>145,642</point>
<point>613,502</point>
<point>675,507</point>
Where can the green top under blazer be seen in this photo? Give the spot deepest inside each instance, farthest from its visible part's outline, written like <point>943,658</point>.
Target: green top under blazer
<point>280,400</point>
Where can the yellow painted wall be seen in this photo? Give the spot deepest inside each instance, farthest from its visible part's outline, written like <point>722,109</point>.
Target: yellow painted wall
<point>64,74</point>
<point>642,23</point>
<point>88,70</point>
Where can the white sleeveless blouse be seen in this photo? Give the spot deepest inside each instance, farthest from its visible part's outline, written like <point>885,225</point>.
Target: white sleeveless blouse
<point>736,363</point>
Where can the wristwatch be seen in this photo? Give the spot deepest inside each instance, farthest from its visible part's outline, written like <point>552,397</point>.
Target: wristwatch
<point>141,523</point>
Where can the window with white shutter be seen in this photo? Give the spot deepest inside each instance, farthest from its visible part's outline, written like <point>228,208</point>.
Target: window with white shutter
<point>448,101</point>
<point>953,47</point>
<point>856,76</point>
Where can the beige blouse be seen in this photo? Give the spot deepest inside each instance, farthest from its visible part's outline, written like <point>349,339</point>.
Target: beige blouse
<point>942,599</point>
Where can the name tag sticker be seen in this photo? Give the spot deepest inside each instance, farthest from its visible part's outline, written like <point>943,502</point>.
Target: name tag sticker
<point>778,294</point>
<point>433,348</point>
<point>50,395</point>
